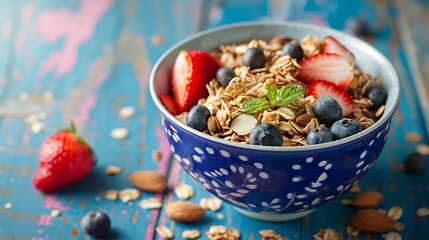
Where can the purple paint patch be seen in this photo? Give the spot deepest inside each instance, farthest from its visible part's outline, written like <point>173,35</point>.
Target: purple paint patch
<point>124,212</point>
<point>39,231</point>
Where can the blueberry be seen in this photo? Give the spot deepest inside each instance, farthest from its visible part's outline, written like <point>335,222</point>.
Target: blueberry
<point>327,110</point>
<point>197,117</point>
<point>96,223</point>
<point>345,127</point>
<point>224,75</point>
<point>266,134</point>
<point>376,95</point>
<point>414,164</point>
<point>294,50</point>
<point>254,58</point>
<point>358,27</point>
<point>318,135</point>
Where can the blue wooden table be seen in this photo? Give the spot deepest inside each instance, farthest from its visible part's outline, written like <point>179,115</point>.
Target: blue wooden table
<point>82,61</point>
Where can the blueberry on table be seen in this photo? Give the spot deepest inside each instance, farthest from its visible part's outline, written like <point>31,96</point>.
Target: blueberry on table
<point>414,164</point>
<point>197,117</point>
<point>96,223</point>
<point>294,50</point>
<point>376,95</point>
<point>327,110</point>
<point>224,75</point>
<point>345,127</point>
<point>266,134</point>
<point>254,58</point>
<point>319,135</point>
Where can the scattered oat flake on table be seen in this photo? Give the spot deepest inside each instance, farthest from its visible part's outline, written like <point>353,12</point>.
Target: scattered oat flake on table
<point>127,112</point>
<point>48,95</point>
<point>221,232</point>
<point>395,212</point>
<point>220,216</point>
<point>55,213</point>
<point>111,194</point>
<point>191,234</point>
<point>156,155</point>
<point>157,40</point>
<point>243,124</point>
<point>151,203</point>
<point>129,195</point>
<point>423,149</point>
<point>165,232</point>
<point>7,205</point>
<point>423,212</point>
<point>413,137</point>
<point>119,133</point>
<point>351,231</point>
<point>213,204</point>
<point>268,234</point>
<point>184,191</point>
<point>327,234</point>
<point>37,127</point>
<point>113,170</point>
<point>392,236</point>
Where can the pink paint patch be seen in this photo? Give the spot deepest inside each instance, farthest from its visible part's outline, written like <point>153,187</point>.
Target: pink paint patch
<point>52,203</point>
<point>124,212</point>
<point>317,20</point>
<point>37,238</point>
<point>44,220</point>
<point>74,27</point>
<point>39,231</point>
<point>84,110</point>
<point>27,12</point>
<point>25,138</point>
<point>7,30</point>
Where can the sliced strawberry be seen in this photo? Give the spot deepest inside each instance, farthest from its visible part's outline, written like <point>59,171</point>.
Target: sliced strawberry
<point>328,67</point>
<point>192,71</point>
<point>170,104</point>
<point>331,45</point>
<point>319,88</point>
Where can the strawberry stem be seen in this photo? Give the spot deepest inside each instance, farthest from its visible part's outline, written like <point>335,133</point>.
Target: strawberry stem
<point>72,127</point>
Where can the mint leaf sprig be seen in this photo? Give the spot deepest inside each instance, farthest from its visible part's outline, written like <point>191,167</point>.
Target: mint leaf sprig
<point>276,98</point>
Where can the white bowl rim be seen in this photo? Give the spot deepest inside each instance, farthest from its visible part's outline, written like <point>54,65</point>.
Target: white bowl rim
<point>381,58</point>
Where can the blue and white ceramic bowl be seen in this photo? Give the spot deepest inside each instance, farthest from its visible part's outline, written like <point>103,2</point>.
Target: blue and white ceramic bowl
<point>275,183</point>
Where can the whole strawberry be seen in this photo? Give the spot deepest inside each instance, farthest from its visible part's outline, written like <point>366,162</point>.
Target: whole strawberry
<point>64,159</point>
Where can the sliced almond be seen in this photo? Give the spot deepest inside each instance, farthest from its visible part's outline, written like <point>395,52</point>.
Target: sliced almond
<point>370,199</point>
<point>183,191</point>
<point>395,212</point>
<point>372,221</point>
<point>213,204</point>
<point>423,212</point>
<point>380,111</point>
<point>119,133</point>
<point>165,232</point>
<point>151,203</point>
<point>129,195</point>
<point>113,170</point>
<point>184,211</point>
<point>127,112</point>
<point>111,194</point>
<point>243,124</point>
<point>191,234</point>
<point>149,181</point>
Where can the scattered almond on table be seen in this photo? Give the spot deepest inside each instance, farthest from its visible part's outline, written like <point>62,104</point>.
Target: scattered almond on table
<point>413,137</point>
<point>149,181</point>
<point>423,149</point>
<point>373,221</point>
<point>370,199</point>
<point>186,212</point>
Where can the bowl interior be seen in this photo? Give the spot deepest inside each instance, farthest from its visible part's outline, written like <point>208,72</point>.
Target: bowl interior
<point>367,57</point>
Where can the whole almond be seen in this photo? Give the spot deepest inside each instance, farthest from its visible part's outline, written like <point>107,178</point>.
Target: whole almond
<point>148,181</point>
<point>372,221</point>
<point>184,211</point>
<point>304,119</point>
<point>369,199</point>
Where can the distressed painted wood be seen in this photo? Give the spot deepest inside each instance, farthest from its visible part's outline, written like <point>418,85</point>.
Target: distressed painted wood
<point>84,60</point>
